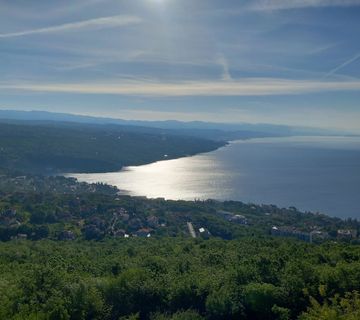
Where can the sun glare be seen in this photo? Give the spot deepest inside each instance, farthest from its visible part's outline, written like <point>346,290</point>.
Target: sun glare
<point>157,1</point>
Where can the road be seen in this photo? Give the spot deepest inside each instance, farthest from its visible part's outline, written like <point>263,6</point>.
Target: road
<point>191,229</point>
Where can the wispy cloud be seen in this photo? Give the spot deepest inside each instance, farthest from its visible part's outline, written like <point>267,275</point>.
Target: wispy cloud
<point>98,23</point>
<point>344,64</point>
<point>225,68</point>
<point>244,87</point>
<point>264,5</point>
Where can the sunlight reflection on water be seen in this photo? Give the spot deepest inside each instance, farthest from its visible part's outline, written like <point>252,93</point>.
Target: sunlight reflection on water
<point>312,173</point>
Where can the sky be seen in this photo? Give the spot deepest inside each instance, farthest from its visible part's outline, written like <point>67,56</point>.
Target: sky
<point>262,61</point>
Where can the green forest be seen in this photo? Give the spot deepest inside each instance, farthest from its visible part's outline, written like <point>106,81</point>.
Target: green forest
<point>177,278</point>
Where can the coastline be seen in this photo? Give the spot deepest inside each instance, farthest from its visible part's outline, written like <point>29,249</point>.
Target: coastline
<point>204,176</point>
<point>221,144</point>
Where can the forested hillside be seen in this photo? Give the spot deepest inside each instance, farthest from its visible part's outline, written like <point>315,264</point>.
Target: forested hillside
<point>174,278</point>
<point>69,148</point>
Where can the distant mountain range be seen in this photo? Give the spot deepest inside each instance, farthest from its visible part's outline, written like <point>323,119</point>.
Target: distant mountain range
<point>209,130</point>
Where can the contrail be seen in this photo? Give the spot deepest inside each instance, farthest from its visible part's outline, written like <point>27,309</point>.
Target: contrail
<point>98,23</point>
<point>357,56</point>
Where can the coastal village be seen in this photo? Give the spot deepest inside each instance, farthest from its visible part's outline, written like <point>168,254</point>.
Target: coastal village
<point>95,223</point>
<point>36,207</point>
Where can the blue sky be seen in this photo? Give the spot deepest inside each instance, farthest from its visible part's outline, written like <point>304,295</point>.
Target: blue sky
<point>275,61</point>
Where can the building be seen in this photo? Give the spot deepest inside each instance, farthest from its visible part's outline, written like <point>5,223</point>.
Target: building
<point>346,234</point>
<point>143,233</point>
<point>231,217</point>
<point>152,221</point>
<point>204,233</point>
<point>120,233</point>
<point>291,233</point>
<point>238,218</point>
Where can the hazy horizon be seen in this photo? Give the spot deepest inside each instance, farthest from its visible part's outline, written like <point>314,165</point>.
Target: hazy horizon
<point>151,122</point>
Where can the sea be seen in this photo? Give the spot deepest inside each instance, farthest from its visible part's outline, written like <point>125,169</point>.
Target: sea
<point>317,174</point>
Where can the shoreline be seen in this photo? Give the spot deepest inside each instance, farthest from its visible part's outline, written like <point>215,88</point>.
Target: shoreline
<point>142,184</point>
<point>224,145</point>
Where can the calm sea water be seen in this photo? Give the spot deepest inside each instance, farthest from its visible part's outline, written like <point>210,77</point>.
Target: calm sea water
<point>311,173</point>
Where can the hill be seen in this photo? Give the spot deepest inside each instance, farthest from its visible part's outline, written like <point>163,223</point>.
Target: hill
<point>207,130</point>
<point>69,147</point>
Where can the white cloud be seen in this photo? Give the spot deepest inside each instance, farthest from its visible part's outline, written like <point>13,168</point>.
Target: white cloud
<point>297,4</point>
<point>98,23</point>
<point>243,87</point>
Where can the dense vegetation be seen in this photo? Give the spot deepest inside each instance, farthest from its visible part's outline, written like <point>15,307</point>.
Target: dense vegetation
<point>85,148</point>
<point>174,278</point>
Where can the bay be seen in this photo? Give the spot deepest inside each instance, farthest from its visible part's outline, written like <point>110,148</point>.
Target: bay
<point>319,174</point>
